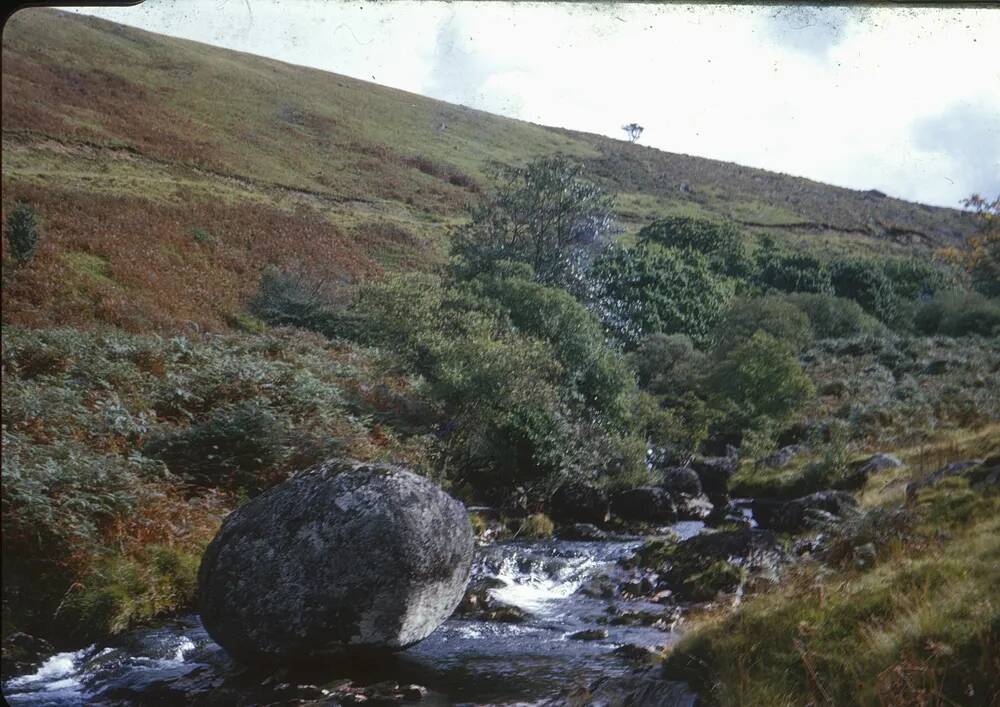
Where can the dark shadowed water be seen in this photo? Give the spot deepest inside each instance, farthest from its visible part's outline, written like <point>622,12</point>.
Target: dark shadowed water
<point>465,660</point>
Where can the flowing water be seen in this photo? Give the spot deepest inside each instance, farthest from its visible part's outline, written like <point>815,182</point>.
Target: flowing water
<point>465,660</point>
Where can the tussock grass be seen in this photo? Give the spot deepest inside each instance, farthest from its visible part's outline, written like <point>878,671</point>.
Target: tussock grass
<point>920,628</point>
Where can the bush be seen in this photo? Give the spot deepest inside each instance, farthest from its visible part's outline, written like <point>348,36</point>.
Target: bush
<point>776,268</point>
<point>758,381</point>
<point>958,313</point>
<point>22,232</point>
<point>235,447</point>
<point>866,282</point>
<point>722,242</point>
<point>521,369</point>
<point>835,317</point>
<point>667,364</point>
<point>642,291</point>
<point>292,299</point>
<point>915,278</point>
<point>773,315</point>
<point>594,372</point>
<point>678,427</point>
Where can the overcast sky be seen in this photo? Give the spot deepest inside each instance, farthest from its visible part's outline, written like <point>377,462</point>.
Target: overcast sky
<point>905,101</point>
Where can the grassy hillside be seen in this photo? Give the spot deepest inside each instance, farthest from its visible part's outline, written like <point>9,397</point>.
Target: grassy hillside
<point>167,173</point>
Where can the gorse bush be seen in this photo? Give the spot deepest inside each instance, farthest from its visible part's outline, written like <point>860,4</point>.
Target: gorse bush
<point>589,368</point>
<point>22,232</point>
<point>866,282</point>
<point>776,268</point>
<point>915,278</point>
<point>668,364</point>
<point>293,299</point>
<point>675,426</point>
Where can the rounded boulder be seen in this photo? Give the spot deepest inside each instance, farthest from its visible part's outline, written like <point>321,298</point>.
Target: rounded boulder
<point>341,560</point>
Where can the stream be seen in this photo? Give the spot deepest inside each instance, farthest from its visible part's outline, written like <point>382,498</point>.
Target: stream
<point>466,660</point>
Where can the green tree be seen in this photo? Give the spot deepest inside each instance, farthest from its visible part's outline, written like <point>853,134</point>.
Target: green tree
<point>667,364</point>
<point>22,232</point>
<point>776,268</point>
<point>531,391</point>
<point>865,281</point>
<point>721,242</point>
<point>773,315</point>
<point>645,290</point>
<point>757,382</point>
<point>545,214</point>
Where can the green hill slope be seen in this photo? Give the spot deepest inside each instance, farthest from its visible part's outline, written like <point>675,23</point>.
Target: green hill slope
<point>167,173</point>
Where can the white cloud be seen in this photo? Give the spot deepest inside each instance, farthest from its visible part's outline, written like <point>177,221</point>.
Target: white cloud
<point>847,96</point>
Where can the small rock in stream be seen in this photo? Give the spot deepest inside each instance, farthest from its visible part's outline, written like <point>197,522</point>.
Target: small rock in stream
<point>590,634</point>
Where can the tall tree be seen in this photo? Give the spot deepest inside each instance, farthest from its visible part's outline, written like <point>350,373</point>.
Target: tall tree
<point>545,215</point>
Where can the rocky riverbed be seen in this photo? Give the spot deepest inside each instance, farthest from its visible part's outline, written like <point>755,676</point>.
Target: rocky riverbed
<point>561,633</point>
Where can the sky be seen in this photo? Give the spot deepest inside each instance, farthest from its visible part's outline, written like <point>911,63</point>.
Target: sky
<point>906,101</point>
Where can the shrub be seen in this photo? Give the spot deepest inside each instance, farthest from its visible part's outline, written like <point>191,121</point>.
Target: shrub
<point>915,278</point>
<point>834,317</point>
<point>957,313</point>
<point>292,299</point>
<point>776,268</point>
<point>667,364</point>
<point>866,282</point>
<point>641,291</point>
<point>678,427</point>
<point>721,242</point>
<point>773,315</point>
<point>235,447</point>
<point>759,380</point>
<point>530,389</point>
<point>594,373</point>
<point>22,232</point>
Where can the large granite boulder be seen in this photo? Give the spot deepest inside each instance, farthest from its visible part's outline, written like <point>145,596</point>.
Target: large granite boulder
<point>342,559</point>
